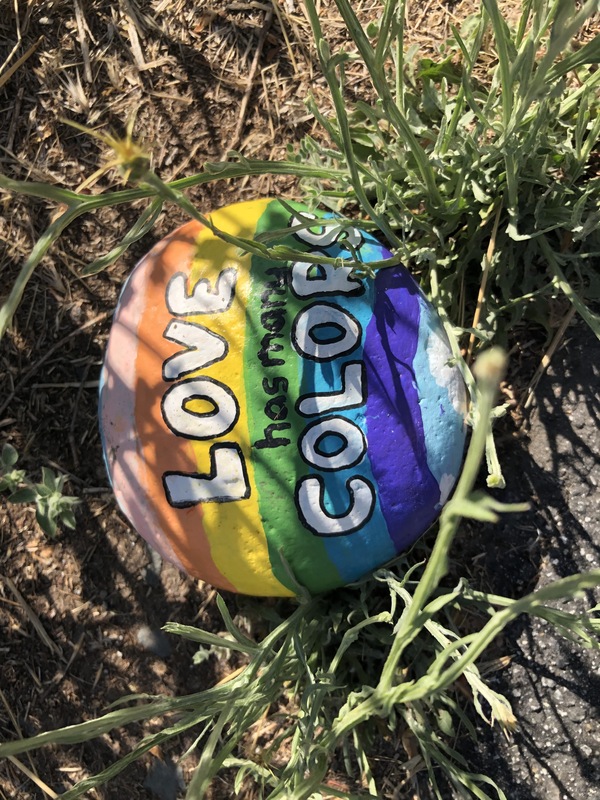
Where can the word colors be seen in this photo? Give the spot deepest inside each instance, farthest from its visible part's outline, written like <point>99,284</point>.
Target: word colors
<point>266,425</point>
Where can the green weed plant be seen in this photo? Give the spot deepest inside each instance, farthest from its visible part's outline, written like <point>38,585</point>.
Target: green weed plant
<point>53,508</point>
<point>483,178</point>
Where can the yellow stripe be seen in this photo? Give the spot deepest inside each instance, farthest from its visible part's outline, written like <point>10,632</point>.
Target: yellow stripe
<point>235,532</point>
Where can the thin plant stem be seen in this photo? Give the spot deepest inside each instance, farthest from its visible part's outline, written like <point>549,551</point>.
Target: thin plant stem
<point>438,563</point>
<point>487,262</point>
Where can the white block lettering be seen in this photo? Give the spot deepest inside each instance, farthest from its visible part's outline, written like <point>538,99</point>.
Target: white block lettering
<point>324,331</point>
<point>352,394</point>
<point>332,443</point>
<point>325,235</point>
<point>203,348</point>
<point>323,279</point>
<point>203,299</point>
<point>226,481</point>
<point>309,500</point>
<point>218,420</point>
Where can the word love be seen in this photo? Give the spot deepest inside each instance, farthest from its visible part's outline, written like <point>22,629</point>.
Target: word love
<point>203,408</point>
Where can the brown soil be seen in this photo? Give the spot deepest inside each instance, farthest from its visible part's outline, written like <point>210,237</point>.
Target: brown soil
<point>77,612</point>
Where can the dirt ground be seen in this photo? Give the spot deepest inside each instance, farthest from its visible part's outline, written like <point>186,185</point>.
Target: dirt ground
<point>80,615</point>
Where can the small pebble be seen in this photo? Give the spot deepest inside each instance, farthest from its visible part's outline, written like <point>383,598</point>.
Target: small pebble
<point>164,780</point>
<point>151,573</point>
<point>154,641</point>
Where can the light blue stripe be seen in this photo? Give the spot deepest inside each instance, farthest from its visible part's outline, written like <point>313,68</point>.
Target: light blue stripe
<point>443,426</point>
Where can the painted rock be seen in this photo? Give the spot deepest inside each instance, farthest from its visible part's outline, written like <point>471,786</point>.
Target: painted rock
<point>265,423</point>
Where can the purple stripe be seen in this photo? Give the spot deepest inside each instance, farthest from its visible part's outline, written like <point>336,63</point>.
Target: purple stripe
<point>408,492</point>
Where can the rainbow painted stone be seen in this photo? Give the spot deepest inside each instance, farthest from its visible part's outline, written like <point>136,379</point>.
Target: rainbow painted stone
<point>261,419</point>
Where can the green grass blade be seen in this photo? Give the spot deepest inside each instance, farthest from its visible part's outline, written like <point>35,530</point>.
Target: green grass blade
<point>378,78</point>
<point>147,743</point>
<point>141,227</point>
<point>45,190</point>
<point>84,731</point>
<point>206,638</point>
<point>40,248</point>
<point>506,54</point>
<point>553,260</point>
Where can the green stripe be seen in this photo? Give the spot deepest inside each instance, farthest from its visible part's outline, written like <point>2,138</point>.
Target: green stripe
<point>277,469</point>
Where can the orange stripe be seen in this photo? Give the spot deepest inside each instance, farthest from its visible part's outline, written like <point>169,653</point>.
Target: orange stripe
<point>161,450</point>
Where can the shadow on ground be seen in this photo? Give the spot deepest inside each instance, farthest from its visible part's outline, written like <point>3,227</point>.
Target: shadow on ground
<point>552,683</point>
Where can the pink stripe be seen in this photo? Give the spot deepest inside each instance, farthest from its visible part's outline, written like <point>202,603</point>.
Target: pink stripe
<point>117,413</point>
